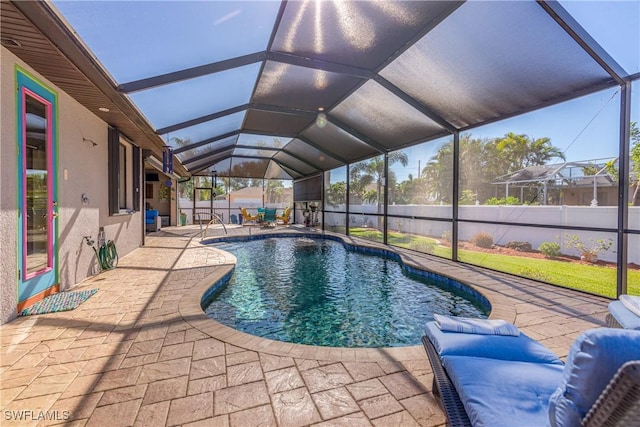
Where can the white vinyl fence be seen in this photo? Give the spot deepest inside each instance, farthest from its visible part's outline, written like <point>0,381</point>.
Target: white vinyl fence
<point>563,216</point>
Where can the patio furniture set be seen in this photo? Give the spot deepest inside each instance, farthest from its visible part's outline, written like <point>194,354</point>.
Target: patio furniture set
<point>488,373</point>
<point>267,217</point>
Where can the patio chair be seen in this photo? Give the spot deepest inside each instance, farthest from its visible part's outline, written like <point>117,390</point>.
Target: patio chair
<point>246,216</point>
<point>498,380</point>
<point>624,313</point>
<point>152,220</point>
<point>285,216</point>
<point>269,217</point>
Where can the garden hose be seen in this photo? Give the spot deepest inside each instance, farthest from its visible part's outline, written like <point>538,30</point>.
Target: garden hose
<point>108,256</point>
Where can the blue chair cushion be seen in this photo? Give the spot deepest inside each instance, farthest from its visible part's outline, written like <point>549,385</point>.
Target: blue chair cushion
<point>150,216</point>
<point>593,359</point>
<point>624,316</point>
<point>499,393</point>
<point>502,347</point>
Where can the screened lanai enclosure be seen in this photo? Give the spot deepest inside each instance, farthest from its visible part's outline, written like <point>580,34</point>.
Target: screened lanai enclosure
<point>401,122</point>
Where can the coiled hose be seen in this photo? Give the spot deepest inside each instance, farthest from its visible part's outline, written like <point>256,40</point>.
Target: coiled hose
<point>108,255</point>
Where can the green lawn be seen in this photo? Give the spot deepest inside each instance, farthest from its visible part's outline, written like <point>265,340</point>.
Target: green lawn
<point>594,279</point>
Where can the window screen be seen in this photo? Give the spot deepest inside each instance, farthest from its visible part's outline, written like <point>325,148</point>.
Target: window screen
<point>308,189</point>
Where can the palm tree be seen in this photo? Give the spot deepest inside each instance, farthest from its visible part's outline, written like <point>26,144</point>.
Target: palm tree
<point>363,174</point>
<point>482,160</point>
<point>521,151</point>
<point>438,173</point>
<point>336,194</point>
<point>474,167</point>
<point>359,179</point>
<point>274,191</point>
<point>375,168</point>
<point>410,191</point>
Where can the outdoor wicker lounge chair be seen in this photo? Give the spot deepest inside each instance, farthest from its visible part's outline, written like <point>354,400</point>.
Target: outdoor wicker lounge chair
<point>474,381</point>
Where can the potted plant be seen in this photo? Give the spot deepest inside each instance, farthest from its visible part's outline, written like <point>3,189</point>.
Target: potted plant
<point>306,213</point>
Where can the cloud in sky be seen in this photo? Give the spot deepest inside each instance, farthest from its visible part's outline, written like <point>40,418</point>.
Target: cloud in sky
<point>227,17</point>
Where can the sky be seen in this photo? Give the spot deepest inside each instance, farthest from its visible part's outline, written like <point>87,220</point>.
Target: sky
<point>132,38</point>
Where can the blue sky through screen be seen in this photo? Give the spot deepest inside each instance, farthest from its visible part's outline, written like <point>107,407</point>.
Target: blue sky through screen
<point>139,39</point>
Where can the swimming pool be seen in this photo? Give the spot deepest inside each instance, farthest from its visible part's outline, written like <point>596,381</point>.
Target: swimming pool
<point>318,292</point>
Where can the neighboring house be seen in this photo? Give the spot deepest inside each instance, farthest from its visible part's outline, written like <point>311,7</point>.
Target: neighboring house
<point>248,197</point>
<point>73,156</point>
<point>563,184</point>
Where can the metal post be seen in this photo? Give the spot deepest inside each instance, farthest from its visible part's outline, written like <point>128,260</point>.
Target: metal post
<point>455,196</point>
<point>346,199</point>
<point>212,195</point>
<point>385,207</point>
<point>623,187</point>
<point>322,199</point>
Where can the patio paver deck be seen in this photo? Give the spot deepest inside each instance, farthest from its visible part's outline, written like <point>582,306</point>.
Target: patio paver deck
<point>141,352</point>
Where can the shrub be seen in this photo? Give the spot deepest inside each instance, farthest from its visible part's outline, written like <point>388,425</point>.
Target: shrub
<point>550,249</point>
<point>503,201</point>
<point>468,197</point>
<point>520,246</point>
<point>588,251</point>
<point>446,236</point>
<point>482,240</point>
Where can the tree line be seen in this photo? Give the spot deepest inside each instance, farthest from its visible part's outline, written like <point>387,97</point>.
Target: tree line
<point>482,162</point>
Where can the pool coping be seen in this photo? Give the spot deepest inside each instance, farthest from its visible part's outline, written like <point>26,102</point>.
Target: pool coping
<point>191,311</point>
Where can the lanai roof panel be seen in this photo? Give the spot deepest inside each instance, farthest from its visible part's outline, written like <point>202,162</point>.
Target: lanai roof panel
<point>467,72</point>
<point>362,34</point>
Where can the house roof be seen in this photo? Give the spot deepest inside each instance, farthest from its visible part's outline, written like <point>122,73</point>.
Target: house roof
<point>248,191</point>
<point>289,89</point>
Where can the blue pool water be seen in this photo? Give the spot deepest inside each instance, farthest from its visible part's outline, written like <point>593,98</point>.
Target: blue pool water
<point>316,292</point>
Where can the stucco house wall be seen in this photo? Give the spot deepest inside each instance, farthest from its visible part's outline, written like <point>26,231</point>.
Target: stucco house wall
<point>82,170</point>
<point>8,185</point>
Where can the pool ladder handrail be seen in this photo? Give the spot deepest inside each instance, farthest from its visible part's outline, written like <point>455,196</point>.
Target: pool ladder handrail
<point>214,217</point>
